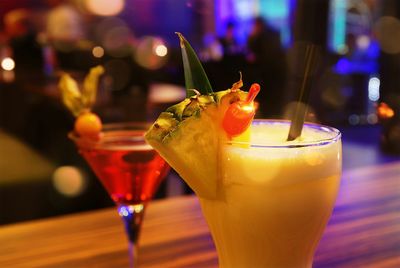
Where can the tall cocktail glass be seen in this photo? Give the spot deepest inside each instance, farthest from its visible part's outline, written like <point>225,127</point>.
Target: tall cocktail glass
<point>275,197</point>
<point>129,169</point>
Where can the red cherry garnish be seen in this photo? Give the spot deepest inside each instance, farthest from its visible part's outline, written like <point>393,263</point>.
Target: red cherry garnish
<point>239,114</point>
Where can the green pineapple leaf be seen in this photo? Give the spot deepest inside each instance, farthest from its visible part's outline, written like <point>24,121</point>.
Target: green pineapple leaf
<point>195,76</point>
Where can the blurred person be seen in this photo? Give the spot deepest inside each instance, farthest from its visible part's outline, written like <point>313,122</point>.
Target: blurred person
<point>212,48</point>
<point>267,66</point>
<point>225,69</point>
<point>229,42</point>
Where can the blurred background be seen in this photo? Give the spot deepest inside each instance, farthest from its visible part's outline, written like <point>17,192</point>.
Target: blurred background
<point>355,80</point>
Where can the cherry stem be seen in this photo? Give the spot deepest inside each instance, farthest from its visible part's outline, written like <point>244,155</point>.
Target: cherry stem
<point>253,92</point>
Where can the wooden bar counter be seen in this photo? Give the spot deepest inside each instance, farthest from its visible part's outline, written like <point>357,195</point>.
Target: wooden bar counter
<point>364,231</point>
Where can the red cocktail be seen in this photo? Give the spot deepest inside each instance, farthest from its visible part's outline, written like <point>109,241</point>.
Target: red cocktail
<point>128,168</point>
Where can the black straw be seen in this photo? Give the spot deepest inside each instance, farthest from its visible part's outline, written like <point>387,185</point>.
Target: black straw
<point>310,60</point>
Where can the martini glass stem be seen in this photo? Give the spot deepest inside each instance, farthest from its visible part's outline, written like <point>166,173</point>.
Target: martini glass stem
<point>132,216</point>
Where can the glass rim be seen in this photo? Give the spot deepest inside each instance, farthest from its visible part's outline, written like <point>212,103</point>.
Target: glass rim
<point>298,144</point>
<point>141,127</point>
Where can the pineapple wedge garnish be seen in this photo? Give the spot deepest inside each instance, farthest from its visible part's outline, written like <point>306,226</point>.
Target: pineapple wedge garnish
<point>189,134</point>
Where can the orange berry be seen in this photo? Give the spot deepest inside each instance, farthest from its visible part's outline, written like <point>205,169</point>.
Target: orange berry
<point>88,125</point>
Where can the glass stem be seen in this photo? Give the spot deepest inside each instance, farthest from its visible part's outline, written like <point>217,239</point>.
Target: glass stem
<point>132,216</point>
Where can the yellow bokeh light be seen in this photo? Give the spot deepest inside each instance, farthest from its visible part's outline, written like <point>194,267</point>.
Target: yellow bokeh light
<point>69,181</point>
<point>105,7</point>
<point>8,64</point>
<point>161,50</point>
<point>98,52</point>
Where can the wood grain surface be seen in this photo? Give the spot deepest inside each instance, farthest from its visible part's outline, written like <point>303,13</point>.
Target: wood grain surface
<point>364,231</point>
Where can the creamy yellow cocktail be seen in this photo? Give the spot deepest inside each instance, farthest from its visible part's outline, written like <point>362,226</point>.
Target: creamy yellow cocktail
<point>266,200</point>
<point>275,197</point>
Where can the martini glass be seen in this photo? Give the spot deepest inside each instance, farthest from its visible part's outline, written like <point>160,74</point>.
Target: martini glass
<point>129,169</point>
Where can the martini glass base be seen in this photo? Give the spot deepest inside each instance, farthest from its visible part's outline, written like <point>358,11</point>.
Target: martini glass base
<point>132,216</point>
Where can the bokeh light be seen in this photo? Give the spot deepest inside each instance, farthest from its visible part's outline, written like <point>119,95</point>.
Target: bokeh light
<point>161,50</point>
<point>115,37</point>
<point>166,93</point>
<point>388,34</point>
<point>107,24</point>
<point>69,181</point>
<point>372,119</point>
<point>363,42</point>
<point>105,7</point>
<point>8,64</point>
<point>147,53</point>
<point>116,41</point>
<point>373,88</point>
<point>384,111</point>
<point>354,119</point>
<point>98,52</point>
